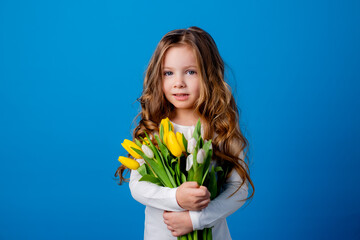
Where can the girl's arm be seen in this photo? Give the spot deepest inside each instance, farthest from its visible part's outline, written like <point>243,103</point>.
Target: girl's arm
<point>150,194</point>
<point>223,205</point>
<point>180,223</point>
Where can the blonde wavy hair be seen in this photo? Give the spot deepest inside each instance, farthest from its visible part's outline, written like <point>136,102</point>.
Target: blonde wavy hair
<point>216,104</point>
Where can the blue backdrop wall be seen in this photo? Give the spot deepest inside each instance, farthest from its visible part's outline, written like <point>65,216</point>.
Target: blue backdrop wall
<point>70,74</point>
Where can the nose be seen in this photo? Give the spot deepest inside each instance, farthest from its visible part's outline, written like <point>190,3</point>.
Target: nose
<point>179,82</point>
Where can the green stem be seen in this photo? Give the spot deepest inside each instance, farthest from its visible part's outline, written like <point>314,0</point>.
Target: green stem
<point>196,235</point>
<point>190,236</point>
<point>179,173</point>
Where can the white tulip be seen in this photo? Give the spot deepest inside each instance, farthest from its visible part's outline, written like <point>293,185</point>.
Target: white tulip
<point>147,151</point>
<point>200,157</point>
<point>191,145</point>
<point>189,133</point>
<point>189,162</point>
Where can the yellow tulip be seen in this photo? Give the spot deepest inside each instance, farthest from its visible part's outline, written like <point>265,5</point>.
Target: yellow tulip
<point>170,124</point>
<point>146,140</point>
<point>129,163</point>
<point>179,138</point>
<point>173,144</point>
<point>166,125</point>
<point>128,145</point>
<point>165,138</point>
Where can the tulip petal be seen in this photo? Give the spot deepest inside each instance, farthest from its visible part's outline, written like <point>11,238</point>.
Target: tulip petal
<point>200,157</point>
<point>189,162</point>
<point>179,138</point>
<point>129,163</point>
<point>191,145</point>
<point>173,144</point>
<point>128,145</point>
<point>147,151</point>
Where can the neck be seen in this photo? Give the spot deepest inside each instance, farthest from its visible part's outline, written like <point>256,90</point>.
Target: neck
<point>186,117</point>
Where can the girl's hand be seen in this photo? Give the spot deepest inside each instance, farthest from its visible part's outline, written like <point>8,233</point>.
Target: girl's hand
<point>193,197</point>
<point>179,223</point>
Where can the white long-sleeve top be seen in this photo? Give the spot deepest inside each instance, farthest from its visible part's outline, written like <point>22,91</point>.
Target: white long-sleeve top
<point>157,199</point>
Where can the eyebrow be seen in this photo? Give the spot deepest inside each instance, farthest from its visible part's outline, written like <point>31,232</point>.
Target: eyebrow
<point>190,66</point>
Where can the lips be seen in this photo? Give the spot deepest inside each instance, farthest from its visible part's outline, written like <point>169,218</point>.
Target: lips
<point>181,96</point>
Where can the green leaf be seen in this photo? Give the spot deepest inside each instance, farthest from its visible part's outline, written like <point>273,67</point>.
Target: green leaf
<point>142,170</point>
<point>204,234</point>
<point>163,148</point>
<point>207,145</point>
<point>195,163</point>
<point>152,179</point>
<point>206,163</point>
<point>206,171</point>
<point>148,171</point>
<point>174,160</point>
<point>164,155</point>
<point>162,132</point>
<point>197,131</point>
<point>178,173</point>
<point>158,169</point>
<point>209,234</point>
<point>218,169</point>
<point>190,176</point>
<point>212,184</point>
<point>184,142</point>
<point>198,174</point>
<point>138,142</point>
<point>183,178</point>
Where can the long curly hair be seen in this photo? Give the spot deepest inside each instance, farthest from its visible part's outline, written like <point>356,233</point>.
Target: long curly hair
<point>216,104</point>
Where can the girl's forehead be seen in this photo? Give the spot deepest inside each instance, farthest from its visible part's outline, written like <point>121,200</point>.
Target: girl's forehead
<point>179,55</point>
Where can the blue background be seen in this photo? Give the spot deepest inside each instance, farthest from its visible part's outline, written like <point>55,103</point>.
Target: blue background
<point>70,74</point>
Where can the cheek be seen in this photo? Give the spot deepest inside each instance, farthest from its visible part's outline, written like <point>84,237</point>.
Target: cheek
<point>197,87</point>
<point>165,87</point>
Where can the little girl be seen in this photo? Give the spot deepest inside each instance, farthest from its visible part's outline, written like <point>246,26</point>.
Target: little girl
<point>184,81</point>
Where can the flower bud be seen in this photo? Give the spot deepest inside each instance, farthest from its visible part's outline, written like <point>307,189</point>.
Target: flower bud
<point>147,151</point>
<point>189,162</point>
<point>129,145</point>
<point>200,157</point>
<point>173,145</point>
<point>129,163</point>
<point>189,133</point>
<point>191,145</point>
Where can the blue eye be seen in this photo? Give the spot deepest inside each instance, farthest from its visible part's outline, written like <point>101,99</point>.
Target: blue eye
<point>168,73</point>
<point>191,72</point>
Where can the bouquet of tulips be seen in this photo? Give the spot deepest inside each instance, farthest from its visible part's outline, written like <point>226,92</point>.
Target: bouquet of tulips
<point>174,160</point>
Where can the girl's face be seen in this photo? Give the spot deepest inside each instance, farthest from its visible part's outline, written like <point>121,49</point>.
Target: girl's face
<point>180,80</point>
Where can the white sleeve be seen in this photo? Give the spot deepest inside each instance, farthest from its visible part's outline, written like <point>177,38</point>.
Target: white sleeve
<point>152,195</point>
<point>221,206</point>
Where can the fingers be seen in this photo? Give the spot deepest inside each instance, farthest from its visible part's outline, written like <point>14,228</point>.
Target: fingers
<point>175,234</point>
<point>201,193</point>
<point>205,191</point>
<point>204,204</point>
<point>191,196</point>
<point>178,223</point>
<point>200,205</point>
<point>191,184</point>
<point>166,214</point>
